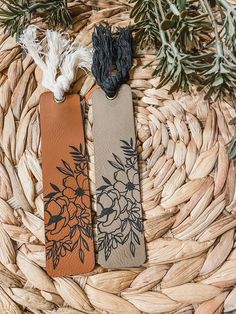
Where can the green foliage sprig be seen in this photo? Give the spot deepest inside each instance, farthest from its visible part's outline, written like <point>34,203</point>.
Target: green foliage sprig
<point>15,15</point>
<point>144,17</point>
<point>193,46</point>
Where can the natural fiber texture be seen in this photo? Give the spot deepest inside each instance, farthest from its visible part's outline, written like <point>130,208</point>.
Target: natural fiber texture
<point>111,49</point>
<point>188,192</point>
<point>62,58</point>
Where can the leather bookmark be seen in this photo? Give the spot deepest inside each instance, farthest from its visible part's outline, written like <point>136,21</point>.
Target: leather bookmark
<point>67,214</point>
<point>119,212</point>
<point>68,228</point>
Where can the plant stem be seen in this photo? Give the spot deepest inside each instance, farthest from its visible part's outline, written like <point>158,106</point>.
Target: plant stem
<point>162,33</point>
<point>219,46</point>
<point>34,7</point>
<point>167,33</point>
<point>173,8</point>
<point>161,9</point>
<point>227,6</point>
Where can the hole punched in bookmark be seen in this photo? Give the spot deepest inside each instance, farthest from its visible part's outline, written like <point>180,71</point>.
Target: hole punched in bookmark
<point>67,205</point>
<point>119,211</point>
<point>113,97</point>
<point>59,101</point>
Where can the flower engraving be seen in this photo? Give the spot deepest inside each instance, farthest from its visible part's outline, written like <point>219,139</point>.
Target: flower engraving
<point>67,211</point>
<point>76,190</point>
<point>118,200</point>
<point>128,183</point>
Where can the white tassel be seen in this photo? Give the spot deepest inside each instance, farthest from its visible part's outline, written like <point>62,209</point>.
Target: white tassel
<point>59,62</point>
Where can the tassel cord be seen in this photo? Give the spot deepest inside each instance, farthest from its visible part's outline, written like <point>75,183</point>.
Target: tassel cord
<point>57,57</point>
<point>111,49</point>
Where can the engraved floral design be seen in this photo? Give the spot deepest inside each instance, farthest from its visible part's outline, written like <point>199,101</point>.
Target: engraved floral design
<point>118,201</point>
<point>75,190</point>
<point>127,184</point>
<point>67,213</point>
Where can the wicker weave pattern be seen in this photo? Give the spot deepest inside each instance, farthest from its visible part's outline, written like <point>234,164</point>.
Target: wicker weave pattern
<point>188,191</point>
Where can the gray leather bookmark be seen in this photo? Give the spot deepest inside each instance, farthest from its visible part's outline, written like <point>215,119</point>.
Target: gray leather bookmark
<point>119,212</point>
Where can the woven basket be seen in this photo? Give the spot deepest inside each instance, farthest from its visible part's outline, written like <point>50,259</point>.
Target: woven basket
<point>188,193</point>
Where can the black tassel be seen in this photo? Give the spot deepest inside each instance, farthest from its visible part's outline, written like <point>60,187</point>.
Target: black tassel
<point>111,49</point>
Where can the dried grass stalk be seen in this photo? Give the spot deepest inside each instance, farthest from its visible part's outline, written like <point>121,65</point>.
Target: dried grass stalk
<point>120,281</point>
<point>7,305</point>
<point>152,302</point>
<point>7,252</point>
<point>230,302</point>
<point>176,276</point>
<point>219,253</point>
<point>191,293</point>
<point>225,276</point>
<point>29,298</point>
<point>183,193</point>
<point>73,294</point>
<point>148,278</point>
<point>113,303</point>
<point>163,251</point>
<point>34,274</point>
<point>212,305</point>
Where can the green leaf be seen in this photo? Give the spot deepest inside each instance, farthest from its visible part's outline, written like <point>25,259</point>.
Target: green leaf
<point>218,81</point>
<point>232,121</point>
<point>167,24</point>
<point>181,4</point>
<point>16,15</point>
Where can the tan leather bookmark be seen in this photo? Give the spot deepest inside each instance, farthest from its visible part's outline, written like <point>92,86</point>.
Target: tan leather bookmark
<point>68,228</point>
<point>119,213</point>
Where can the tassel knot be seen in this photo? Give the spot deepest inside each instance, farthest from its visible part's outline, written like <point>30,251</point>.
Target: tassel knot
<point>111,49</point>
<point>57,57</point>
